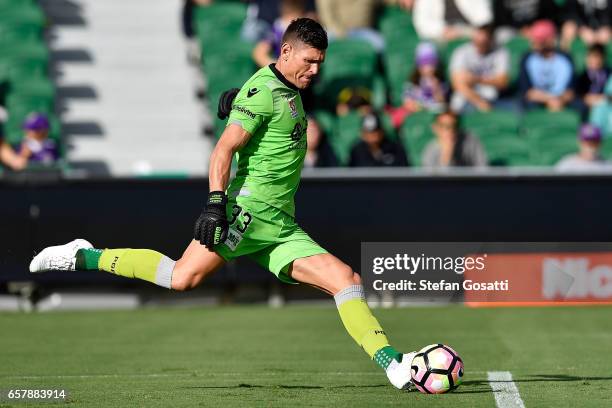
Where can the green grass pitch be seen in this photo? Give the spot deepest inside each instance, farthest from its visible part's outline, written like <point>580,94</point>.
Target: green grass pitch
<point>252,356</point>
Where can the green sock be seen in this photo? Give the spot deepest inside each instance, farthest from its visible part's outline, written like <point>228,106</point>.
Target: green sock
<point>385,355</point>
<point>87,259</point>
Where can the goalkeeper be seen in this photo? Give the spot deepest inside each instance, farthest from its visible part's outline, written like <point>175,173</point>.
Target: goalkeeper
<point>253,215</point>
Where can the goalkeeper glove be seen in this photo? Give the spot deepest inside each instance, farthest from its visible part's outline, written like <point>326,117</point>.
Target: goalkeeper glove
<point>225,103</point>
<point>212,226</point>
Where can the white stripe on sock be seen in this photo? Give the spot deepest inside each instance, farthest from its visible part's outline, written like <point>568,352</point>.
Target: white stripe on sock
<point>348,293</point>
<point>163,275</point>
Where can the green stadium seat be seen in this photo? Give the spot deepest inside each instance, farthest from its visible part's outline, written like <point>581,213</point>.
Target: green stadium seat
<point>415,134</point>
<point>348,63</point>
<point>27,52</point>
<point>398,64</point>
<point>395,25</point>
<point>326,121</point>
<point>517,47</point>
<point>566,120</point>
<point>548,147</point>
<point>578,52</point>
<point>218,25</point>
<point>346,133</point>
<point>507,149</point>
<point>14,31</point>
<point>34,87</point>
<point>606,148</point>
<point>236,66</point>
<point>609,53</point>
<point>497,120</point>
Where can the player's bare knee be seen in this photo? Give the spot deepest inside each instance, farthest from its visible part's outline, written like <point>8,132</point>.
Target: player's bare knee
<point>343,277</point>
<point>184,279</point>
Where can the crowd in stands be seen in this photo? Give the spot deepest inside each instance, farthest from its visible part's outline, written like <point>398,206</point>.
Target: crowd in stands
<point>29,129</point>
<point>430,83</point>
<point>440,83</point>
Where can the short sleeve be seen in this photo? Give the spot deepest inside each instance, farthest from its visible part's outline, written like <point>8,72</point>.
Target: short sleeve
<point>502,62</point>
<point>458,60</point>
<point>252,107</point>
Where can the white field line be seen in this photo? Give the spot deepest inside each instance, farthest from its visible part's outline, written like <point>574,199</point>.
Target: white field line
<point>189,374</point>
<point>504,389</point>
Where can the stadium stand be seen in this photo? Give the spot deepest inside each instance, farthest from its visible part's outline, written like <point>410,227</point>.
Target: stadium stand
<point>24,69</point>
<point>511,138</point>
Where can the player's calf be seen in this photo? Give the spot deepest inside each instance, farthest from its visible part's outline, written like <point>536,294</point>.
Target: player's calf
<point>152,266</point>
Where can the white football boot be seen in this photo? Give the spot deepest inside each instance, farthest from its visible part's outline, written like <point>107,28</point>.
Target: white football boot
<point>400,374</point>
<point>58,258</point>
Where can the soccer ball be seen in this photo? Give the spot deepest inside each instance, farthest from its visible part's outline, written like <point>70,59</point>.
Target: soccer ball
<point>436,369</point>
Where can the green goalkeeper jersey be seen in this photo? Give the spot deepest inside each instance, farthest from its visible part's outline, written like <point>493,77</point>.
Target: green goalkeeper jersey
<point>270,108</point>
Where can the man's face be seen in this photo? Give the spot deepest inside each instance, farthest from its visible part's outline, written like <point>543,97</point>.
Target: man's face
<point>482,40</point>
<point>302,63</point>
<point>594,61</point>
<point>589,149</point>
<point>37,134</point>
<point>373,138</point>
<point>543,46</point>
<point>445,128</point>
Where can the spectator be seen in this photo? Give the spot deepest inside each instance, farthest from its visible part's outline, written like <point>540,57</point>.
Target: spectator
<point>319,153</point>
<point>592,82</point>
<point>354,99</point>
<point>479,72</point>
<point>374,149</point>
<point>351,19</point>
<point>601,113</point>
<point>445,20</point>
<point>36,146</point>
<point>587,19</point>
<point>546,75</point>
<point>261,15</point>
<point>588,156</point>
<point>267,48</point>
<point>425,88</point>
<point>452,146</point>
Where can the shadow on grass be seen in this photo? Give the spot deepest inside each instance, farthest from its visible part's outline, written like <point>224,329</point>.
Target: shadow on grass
<point>287,387</point>
<point>467,387</point>
<point>543,378</point>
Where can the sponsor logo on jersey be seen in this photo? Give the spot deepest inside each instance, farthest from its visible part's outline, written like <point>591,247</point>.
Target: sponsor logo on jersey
<point>292,107</point>
<point>233,239</point>
<point>244,110</point>
<point>252,92</point>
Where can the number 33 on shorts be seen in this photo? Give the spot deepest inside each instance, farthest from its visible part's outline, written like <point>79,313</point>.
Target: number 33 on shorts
<point>239,222</point>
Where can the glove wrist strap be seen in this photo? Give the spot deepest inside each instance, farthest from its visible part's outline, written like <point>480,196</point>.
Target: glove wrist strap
<point>216,198</point>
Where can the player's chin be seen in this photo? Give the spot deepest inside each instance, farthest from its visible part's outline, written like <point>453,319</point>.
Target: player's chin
<point>304,83</point>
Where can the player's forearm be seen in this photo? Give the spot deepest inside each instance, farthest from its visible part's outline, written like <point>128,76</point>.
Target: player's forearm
<point>220,167</point>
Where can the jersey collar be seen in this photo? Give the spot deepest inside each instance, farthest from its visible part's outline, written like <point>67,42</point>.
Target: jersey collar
<point>282,78</point>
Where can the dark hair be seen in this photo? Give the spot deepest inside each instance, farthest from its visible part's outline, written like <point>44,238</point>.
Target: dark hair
<point>415,75</point>
<point>488,27</point>
<point>308,31</point>
<point>451,113</point>
<point>597,48</point>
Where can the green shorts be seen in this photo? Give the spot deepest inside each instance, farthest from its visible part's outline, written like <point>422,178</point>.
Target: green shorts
<point>267,235</point>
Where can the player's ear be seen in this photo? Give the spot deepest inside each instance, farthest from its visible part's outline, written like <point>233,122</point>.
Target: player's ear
<point>285,51</point>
